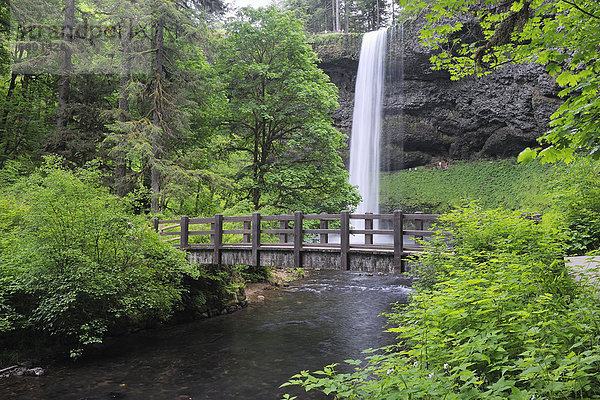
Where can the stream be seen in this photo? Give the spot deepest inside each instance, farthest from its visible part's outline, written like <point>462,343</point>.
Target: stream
<point>329,317</point>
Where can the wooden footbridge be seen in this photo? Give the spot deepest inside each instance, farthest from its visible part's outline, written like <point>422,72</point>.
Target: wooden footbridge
<point>346,241</point>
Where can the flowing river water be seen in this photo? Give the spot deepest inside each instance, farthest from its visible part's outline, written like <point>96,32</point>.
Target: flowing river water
<point>329,317</point>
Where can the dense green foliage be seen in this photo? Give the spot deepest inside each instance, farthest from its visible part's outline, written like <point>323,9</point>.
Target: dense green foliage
<point>133,93</point>
<point>253,274</point>
<point>494,317</point>
<point>491,184</point>
<point>75,265</point>
<point>562,36</point>
<point>576,202</point>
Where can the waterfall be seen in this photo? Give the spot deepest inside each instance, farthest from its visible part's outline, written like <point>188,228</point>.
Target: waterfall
<point>366,120</point>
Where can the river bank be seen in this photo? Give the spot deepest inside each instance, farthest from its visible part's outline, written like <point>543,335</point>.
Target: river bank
<point>279,278</point>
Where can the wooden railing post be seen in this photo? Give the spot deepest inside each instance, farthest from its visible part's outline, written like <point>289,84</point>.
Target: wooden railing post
<point>398,240</point>
<point>184,232</point>
<point>246,236</point>
<point>418,226</point>
<point>283,237</point>
<point>298,239</point>
<point>344,239</point>
<point>323,237</point>
<point>155,224</point>
<point>369,225</point>
<point>255,239</point>
<point>217,238</point>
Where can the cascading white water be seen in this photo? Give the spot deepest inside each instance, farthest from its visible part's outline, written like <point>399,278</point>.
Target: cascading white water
<point>366,120</point>
<point>366,124</point>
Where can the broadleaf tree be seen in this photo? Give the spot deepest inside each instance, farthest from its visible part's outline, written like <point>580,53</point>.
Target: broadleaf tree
<point>475,37</point>
<point>277,116</point>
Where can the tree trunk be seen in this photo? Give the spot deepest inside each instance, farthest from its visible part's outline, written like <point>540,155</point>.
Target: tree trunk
<point>66,65</point>
<point>255,192</point>
<point>346,14</point>
<point>4,124</point>
<point>325,15</point>
<point>333,27</point>
<point>337,16</point>
<point>120,163</point>
<point>157,114</point>
<point>7,106</point>
<point>18,54</point>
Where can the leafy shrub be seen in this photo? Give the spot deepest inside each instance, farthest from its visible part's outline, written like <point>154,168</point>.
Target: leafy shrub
<point>576,199</point>
<point>502,320</point>
<point>215,288</point>
<point>252,274</point>
<point>11,218</point>
<point>80,266</point>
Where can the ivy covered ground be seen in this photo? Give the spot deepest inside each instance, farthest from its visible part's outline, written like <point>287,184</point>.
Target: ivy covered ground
<point>503,183</point>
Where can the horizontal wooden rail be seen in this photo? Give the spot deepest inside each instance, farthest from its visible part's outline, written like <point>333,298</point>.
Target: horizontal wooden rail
<point>372,216</point>
<point>276,231</point>
<point>418,232</point>
<point>195,233</point>
<point>237,232</point>
<point>322,217</point>
<point>171,233</point>
<point>341,233</point>
<point>237,219</point>
<point>372,232</point>
<point>198,221</point>
<point>282,217</point>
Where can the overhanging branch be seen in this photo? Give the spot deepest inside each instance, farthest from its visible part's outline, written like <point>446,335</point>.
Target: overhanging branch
<point>580,9</point>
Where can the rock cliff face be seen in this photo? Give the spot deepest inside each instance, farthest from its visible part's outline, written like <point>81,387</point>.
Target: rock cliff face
<point>433,118</point>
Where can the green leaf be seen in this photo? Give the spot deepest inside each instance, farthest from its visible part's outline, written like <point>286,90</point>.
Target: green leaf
<point>516,6</point>
<point>527,155</point>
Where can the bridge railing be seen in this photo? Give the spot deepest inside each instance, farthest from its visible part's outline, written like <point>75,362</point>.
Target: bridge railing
<point>396,234</point>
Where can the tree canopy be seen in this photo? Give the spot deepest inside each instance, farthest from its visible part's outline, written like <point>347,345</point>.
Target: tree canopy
<point>475,37</point>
